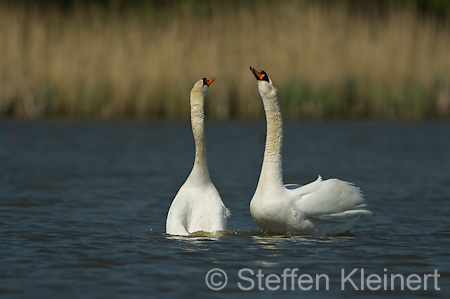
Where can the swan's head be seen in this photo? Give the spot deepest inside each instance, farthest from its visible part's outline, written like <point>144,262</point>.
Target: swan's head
<point>202,85</point>
<point>265,84</point>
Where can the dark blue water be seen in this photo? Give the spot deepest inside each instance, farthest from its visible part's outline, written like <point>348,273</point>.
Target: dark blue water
<point>83,209</point>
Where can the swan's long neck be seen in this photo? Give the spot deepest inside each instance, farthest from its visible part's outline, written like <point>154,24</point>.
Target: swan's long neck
<point>271,172</point>
<point>199,173</point>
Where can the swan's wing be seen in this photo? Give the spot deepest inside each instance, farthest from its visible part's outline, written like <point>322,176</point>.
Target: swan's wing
<point>329,199</point>
<point>300,190</point>
<point>177,217</point>
<point>208,213</point>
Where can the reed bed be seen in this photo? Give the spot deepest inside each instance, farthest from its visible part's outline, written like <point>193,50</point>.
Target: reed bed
<point>327,62</point>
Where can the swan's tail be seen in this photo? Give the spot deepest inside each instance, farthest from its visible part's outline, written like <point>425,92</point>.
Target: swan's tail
<point>332,224</point>
<point>358,211</point>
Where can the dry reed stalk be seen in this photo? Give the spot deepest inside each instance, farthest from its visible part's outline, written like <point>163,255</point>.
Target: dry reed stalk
<point>325,62</point>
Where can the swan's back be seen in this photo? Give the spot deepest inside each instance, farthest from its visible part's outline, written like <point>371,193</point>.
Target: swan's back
<point>197,209</point>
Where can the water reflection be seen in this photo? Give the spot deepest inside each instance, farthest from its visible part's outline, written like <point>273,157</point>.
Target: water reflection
<point>269,242</point>
<point>192,240</point>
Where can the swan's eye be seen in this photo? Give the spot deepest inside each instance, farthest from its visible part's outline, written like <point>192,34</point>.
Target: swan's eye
<point>205,82</point>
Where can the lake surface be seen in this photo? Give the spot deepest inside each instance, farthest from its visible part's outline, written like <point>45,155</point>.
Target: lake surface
<point>83,210</point>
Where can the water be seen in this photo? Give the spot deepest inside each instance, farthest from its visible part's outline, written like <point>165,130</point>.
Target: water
<point>83,208</point>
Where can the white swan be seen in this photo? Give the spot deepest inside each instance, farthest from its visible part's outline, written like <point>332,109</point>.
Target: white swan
<point>197,205</point>
<point>318,208</point>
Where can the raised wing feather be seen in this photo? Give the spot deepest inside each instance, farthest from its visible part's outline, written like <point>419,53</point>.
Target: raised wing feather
<point>329,199</point>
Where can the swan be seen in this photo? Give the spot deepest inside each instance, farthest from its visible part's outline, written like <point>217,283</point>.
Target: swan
<point>197,206</point>
<point>322,207</point>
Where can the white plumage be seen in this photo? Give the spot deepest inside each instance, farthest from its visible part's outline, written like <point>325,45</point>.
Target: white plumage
<point>322,207</point>
<point>197,205</point>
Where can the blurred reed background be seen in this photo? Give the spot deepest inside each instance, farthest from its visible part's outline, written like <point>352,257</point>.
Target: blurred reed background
<point>139,59</point>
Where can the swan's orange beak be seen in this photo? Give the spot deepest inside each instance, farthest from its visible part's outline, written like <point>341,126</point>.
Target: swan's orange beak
<point>258,75</point>
<point>209,81</point>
